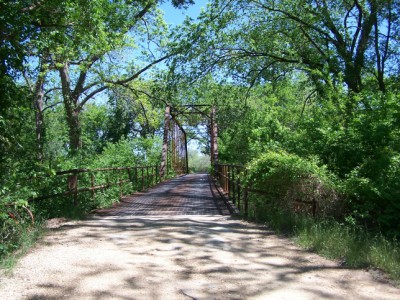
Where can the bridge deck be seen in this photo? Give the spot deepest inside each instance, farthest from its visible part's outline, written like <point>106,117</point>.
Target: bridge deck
<point>192,194</point>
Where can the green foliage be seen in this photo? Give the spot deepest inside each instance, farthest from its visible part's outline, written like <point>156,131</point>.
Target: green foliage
<point>359,146</point>
<point>132,114</point>
<point>375,190</point>
<point>198,163</point>
<point>16,127</point>
<point>95,127</point>
<point>259,41</point>
<point>127,152</point>
<point>286,179</point>
<point>16,221</point>
<point>56,146</point>
<point>11,250</point>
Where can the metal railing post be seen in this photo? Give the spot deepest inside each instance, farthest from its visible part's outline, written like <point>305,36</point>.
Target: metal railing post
<point>142,178</point>
<point>120,183</point>
<point>233,185</point>
<point>238,192</point>
<point>146,182</point>
<point>246,198</point>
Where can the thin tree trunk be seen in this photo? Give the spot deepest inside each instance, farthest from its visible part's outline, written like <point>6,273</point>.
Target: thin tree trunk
<point>39,114</point>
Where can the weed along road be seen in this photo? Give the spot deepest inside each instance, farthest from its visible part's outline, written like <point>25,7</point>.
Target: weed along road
<point>179,255</point>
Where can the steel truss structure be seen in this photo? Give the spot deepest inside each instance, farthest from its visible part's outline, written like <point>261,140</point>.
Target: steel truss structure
<point>174,150</point>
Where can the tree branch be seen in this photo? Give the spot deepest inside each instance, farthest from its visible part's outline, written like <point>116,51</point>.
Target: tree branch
<point>296,19</point>
<point>52,105</point>
<point>146,93</point>
<point>122,82</point>
<point>359,25</point>
<point>138,73</point>
<point>79,88</point>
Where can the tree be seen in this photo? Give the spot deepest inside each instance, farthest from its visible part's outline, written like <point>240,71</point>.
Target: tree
<point>75,40</point>
<point>16,125</point>
<point>329,40</point>
<point>132,112</point>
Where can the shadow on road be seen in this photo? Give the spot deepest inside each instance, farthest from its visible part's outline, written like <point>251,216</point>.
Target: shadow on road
<point>195,257</point>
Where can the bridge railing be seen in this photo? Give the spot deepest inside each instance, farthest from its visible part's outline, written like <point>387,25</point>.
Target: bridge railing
<point>72,183</point>
<point>230,179</point>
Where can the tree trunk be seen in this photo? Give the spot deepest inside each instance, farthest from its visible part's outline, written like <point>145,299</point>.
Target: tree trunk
<point>74,130</point>
<point>72,110</point>
<point>352,77</point>
<point>39,115</point>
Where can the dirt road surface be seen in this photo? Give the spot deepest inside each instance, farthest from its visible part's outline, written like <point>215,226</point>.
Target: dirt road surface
<point>180,257</point>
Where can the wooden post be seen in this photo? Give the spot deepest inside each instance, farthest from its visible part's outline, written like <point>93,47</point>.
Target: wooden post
<point>93,193</point>
<point>73,185</point>
<point>130,176</point>
<point>164,152</point>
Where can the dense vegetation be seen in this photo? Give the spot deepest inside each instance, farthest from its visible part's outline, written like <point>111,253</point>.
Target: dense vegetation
<point>307,91</point>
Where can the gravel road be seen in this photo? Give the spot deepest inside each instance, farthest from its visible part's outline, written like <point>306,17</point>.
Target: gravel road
<point>180,257</point>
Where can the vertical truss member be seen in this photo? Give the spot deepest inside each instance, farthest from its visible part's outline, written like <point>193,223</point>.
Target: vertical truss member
<point>175,138</point>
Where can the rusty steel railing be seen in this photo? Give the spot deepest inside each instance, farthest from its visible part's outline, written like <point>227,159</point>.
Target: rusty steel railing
<point>78,181</point>
<point>229,178</point>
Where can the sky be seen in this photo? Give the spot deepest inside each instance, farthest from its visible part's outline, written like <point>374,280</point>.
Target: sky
<point>174,16</point>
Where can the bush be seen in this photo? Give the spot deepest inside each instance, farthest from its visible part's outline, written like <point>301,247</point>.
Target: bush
<point>292,184</point>
<point>374,191</point>
<point>16,221</point>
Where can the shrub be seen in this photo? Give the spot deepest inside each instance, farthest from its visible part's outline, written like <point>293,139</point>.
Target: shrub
<point>292,184</point>
<point>374,191</point>
<point>16,219</point>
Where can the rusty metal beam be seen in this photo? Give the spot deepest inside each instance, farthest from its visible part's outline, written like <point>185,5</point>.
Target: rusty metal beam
<point>214,137</point>
<point>167,116</point>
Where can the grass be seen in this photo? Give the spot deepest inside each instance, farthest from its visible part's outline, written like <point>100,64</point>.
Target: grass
<point>352,245</point>
<point>26,239</point>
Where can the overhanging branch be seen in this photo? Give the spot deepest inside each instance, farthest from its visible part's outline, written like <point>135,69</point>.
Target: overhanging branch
<point>122,82</point>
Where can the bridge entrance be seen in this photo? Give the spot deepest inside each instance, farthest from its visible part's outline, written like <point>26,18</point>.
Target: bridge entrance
<point>175,138</point>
